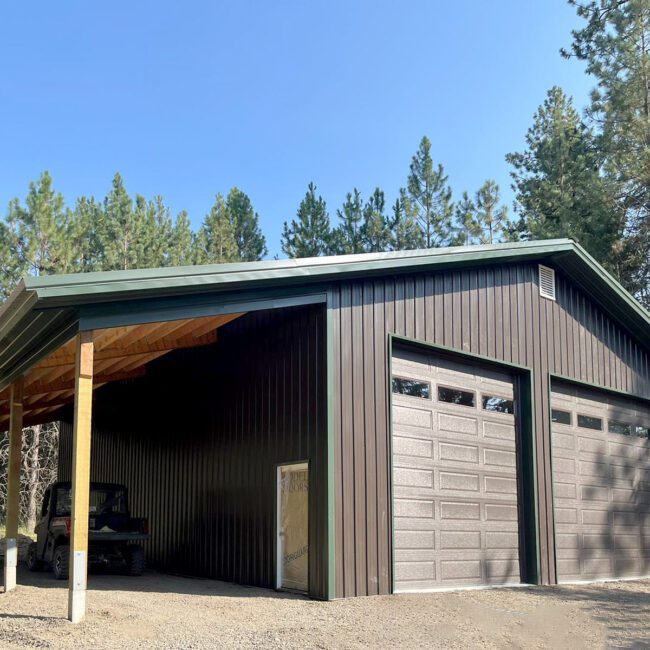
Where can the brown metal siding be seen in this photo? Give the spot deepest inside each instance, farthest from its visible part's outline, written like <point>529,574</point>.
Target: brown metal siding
<point>492,311</point>
<point>197,441</point>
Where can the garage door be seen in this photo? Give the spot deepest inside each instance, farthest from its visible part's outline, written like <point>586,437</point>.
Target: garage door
<point>455,505</point>
<point>601,485</point>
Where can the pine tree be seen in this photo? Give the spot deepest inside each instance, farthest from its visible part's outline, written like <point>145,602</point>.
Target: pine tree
<point>405,230</point>
<point>181,249</point>
<point>376,229</point>
<point>215,241</point>
<point>491,218</point>
<point>430,197</point>
<point>251,243</point>
<point>466,228</point>
<point>121,231</point>
<point>615,44</point>
<point>38,233</point>
<point>156,234</point>
<point>347,237</point>
<point>11,268</point>
<point>308,235</point>
<point>560,192</point>
<point>86,223</point>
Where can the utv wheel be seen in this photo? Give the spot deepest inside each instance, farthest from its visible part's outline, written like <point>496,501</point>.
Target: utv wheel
<point>60,562</point>
<point>134,556</point>
<point>33,563</point>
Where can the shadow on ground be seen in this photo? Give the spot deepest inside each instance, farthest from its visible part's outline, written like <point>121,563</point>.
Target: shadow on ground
<point>154,582</point>
<point>623,609</point>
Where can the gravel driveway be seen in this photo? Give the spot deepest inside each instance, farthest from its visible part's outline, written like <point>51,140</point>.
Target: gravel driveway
<point>161,611</point>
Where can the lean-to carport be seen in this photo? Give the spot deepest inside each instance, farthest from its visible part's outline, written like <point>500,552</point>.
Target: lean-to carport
<point>66,336</point>
<point>69,374</point>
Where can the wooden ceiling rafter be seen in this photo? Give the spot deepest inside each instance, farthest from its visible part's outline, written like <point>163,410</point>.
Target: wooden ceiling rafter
<point>120,353</point>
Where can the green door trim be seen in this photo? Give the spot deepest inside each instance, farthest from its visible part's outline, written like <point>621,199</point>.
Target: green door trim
<point>330,589</point>
<point>587,384</point>
<point>524,382</point>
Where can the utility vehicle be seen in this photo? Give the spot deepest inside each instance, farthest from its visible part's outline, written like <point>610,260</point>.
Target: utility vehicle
<point>114,537</point>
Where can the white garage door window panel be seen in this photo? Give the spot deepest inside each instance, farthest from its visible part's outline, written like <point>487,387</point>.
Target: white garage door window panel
<point>454,480</point>
<point>601,488</point>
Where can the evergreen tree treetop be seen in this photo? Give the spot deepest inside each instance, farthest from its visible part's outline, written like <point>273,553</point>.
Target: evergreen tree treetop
<point>309,234</point>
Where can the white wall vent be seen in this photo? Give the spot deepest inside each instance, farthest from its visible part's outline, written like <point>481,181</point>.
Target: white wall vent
<point>546,282</point>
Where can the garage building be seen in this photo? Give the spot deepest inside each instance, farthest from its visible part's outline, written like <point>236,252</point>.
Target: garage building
<point>351,425</point>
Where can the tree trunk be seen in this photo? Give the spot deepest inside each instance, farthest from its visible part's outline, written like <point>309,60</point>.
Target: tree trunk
<point>33,474</point>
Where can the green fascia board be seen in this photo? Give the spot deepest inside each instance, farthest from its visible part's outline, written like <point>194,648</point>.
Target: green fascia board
<point>585,270</point>
<point>80,288</point>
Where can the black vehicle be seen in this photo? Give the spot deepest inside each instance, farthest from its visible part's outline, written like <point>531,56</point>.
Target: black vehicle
<point>112,533</point>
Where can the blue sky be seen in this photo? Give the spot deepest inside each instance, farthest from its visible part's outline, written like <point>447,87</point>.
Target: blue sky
<point>186,99</point>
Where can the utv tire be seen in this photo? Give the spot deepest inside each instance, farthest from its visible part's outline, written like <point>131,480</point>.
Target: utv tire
<point>33,563</point>
<point>134,556</point>
<point>60,562</point>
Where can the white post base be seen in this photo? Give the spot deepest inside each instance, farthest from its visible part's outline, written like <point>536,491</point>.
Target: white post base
<point>11,562</point>
<point>77,586</point>
<point>76,605</point>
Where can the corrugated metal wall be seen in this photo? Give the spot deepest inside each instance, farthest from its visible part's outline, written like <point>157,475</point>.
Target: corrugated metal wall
<point>197,441</point>
<point>493,311</point>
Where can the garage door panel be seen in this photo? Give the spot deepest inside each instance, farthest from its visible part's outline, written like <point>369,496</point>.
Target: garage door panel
<point>564,441</point>
<point>461,571</point>
<point>412,524</point>
<point>502,571</point>
<point>419,447</point>
<point>412,417</point>
<point>456,452</point>
<point>412,477</point>
<point>594,517</point>
<point>565,490</point>
<point>421,572</point>
<point>501,512</point>
<point>465,483</point>
<point>412,539</point>
<point>563,465</point>
<point>590,445</point>
<point>417,463</point>
<point>454,481</point>
<point>590,468</point>
<point>457,423</point>
<point>501,431</point>
<point>600,512</point>
<point>623,450</point>
<point>459,510</point>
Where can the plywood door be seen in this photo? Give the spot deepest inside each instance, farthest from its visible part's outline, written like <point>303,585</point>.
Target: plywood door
<point>293,527</point>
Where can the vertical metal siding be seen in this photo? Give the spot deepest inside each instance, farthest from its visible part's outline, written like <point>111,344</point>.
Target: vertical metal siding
<point>198,439</point>
<point>495,311</point>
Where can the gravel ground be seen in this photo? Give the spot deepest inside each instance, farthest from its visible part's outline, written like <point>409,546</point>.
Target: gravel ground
<point>161,611</point>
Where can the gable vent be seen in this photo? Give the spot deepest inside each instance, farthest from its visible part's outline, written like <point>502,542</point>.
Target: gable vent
<point>546,282</point>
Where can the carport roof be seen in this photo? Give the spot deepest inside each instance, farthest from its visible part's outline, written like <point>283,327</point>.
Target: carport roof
<point>44,312</point>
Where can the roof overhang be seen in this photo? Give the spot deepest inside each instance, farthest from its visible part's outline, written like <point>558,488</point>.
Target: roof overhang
<point>44,312</point>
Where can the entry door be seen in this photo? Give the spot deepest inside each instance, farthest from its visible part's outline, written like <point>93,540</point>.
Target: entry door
<point>293,527</point>
<point>601,484</point>
<point>455,487</point>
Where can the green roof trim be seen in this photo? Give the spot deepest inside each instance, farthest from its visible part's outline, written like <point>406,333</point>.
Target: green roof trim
<point>44,309</point>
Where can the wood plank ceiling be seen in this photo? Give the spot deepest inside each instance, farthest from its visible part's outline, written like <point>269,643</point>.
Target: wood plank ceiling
<point>120,353</point>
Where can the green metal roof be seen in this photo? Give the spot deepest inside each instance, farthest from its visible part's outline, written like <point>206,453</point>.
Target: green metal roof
<point>44,311</point>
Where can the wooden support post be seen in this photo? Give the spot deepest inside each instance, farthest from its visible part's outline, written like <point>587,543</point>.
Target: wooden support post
<point>13,483</point>
<point>80,477</point>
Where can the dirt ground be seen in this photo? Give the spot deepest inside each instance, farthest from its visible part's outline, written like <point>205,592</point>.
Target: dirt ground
<point>161,611</point>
